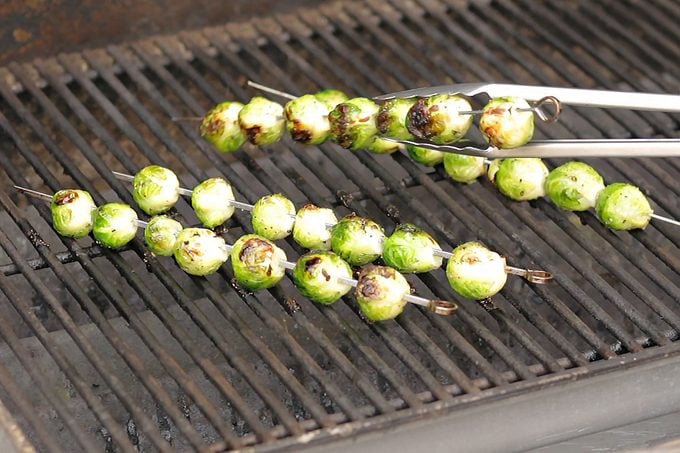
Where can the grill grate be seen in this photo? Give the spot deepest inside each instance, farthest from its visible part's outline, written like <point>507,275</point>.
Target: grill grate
<point>122,350</point>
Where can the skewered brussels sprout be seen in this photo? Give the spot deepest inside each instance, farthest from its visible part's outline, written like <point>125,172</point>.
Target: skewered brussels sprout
<point>161,235</point>
<point>331,98</point>
<point>357,240</point>
<point>273,216</point>
<point>257,262</point>
<point>311,227</point>
<point>382,146</point>
<point>307,120</point>
<point>410,249</point>
<point>316,276</point>
<point>476,272</point>
<point>114,224</point>
<point>210,200</point>
<point>519,178</point>
<point>574,186</point>
<point>436,118</point>
<point>220,127</point>
<point>155,189</point>
<point>622,206</point>
<point>262,121</point>
<point>392,118</point>
<point>462,168</point>
<point>353,123</point>
<point>199,251</point>
<point>425,156</point>
<point>504,125</point>
<point>72,212</point>
<point>380,292</point>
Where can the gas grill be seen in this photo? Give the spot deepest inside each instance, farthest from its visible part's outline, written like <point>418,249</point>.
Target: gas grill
<point>117,351</point>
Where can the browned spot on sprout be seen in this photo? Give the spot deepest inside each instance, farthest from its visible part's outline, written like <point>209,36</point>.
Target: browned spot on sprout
<point>65,197</point>
<point>300,133</point>
<point>312,263</point>
<point>419,119</point>
<point>255,250</point>
<point>252,133</point>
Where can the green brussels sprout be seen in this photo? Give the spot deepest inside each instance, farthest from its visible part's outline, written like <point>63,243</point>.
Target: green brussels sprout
<point>380,292</point>
<point>392,118</point>
<point>210,200</point>
<point>462,168</point>
<point>504,125</point>
<point>622,206</point>
<point>425,156</point>
<point>161,233</point>
<point>199,251</point>
<point>220,127</point>
<point>257,262</point>
<point>436,118</point>
<point>262,121</point>
<point>155,189</point>
<point>331,98</point>
<point>475,272</point>
<point>382,146</point>
<point>311,229</point>
<point>114,224</point>
<point>574,186</point>
<point>519,178</point>
<point>353,123</point>
<point>317,276</point>
<point>357,240</point>
<point>72,212</point>
<point>410,249</point>
<point>273,216</point>
<point>307,120</point>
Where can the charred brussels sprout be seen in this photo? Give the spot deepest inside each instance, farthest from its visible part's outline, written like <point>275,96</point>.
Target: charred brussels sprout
<point>353,123</point>
<point>392,118</point>
<point>210,200</point>
<point>199,251</point>
<point>505,123</point>
<point>257,262</point>
<point>72,212</point>
<point>311,228</point>
<point>475,272</point>
<point>410,249</point>
<point>425,156</point>
<point>357,240</point>
<point>462,168</point>
<point>574,186</point>
<point>380,292</point>
<point>519,178</point>
<point>436,118</point>
<point>155,189</point>
<point>622,206</point>
<point>307,120</point>
<point>262,121</point>
<point>220,127</point>
<point>161,235</point>
<point>114,224</point>
<point>331,98</point>
<point>317,275</point>
<point>273,216</point>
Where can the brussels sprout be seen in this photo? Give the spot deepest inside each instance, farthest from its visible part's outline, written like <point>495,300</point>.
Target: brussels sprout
<point>357,240</point>
<point>410,249</point>
<point>353,123</point>
<point>307,120</point>
<point>161,234</point>
<point>382,146</point>
<point>72,212</point>
<point>436,118</point>
<point>257,262</point>
<point>380,292</point>
<point>331,98</point>
<point>273,216</point>
<point>574,186</point>
<point>622,206</point>
<point>475,272</point>
<point>199,251</point>
<point>316,276</point>
<point>462,168</point>
<point>504,125</point>
<point>262,121</point>
<point>220,127</point>
<point>519,178</point>
<point>114,224</point>
<point>155,189</point>
<point>425,156</point>
<point>210,200</point>
<point>310,229</point>
<point>392,118</point>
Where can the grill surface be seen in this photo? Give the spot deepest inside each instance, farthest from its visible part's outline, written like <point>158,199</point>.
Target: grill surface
<point>110,351</point>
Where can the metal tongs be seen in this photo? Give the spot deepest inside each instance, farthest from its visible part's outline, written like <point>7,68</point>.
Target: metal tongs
<point>547,104</point>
